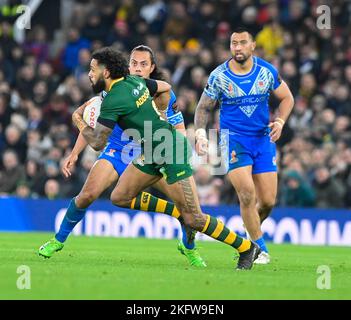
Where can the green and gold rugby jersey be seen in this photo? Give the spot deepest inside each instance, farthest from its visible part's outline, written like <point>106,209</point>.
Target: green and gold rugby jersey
<point>129,103</point>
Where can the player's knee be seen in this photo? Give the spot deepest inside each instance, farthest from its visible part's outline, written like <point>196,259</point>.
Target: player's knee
<point>120,200</point>
<point>247,197</point>
<point>86,198</point>
<point>266,207</point>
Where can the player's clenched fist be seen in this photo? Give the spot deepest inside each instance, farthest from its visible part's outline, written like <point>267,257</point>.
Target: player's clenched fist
<point>201,142</point>
<point>276,129</point>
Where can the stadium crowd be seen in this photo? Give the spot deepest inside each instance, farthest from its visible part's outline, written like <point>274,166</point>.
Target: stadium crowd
<point>44,79</point>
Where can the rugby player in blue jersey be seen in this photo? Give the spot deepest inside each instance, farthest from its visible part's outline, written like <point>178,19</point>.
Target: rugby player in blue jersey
<point>241,86</point>
<point>113,161</point>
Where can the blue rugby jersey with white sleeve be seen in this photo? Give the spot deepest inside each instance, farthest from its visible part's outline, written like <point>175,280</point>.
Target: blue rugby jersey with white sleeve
<point>244,99</point>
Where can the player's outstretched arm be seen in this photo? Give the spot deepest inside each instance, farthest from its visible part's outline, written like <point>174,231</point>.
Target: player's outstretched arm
<point>72,158</point>
<point>97,138</point>
<point>284,95</point>
<point>203,108</point>
<point>79,146</point>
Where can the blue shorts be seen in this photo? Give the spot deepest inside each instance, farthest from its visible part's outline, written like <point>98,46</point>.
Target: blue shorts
<point>118,156</point>
<point>258,152</point>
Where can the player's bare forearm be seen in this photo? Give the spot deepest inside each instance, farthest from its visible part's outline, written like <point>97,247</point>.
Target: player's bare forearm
<point>80,145</point>
<point>203,108</point>
<point>97,138</point>
<point>286,98</point>
<point>181,128</point>
<point>162,100</point>
<point>285,107</point>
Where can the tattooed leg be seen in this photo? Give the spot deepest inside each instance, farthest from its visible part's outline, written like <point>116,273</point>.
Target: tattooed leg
<point>187,203</point>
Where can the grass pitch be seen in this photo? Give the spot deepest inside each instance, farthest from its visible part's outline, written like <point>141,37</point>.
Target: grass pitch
<point>115,268</point>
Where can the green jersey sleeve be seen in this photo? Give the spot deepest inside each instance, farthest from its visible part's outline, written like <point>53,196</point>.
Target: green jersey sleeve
<point>112,108</point>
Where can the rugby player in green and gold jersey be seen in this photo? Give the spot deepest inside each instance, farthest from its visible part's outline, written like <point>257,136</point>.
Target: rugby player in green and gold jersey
<point>166,153</point>
<point>115,158</point>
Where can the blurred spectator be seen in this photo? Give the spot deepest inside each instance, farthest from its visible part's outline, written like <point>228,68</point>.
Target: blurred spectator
<point>94,28</point>
<point>295,192</point>
<point>15,140</point>
<point>270,38</point>
<point>36,44</point>
<point>329,192</point>
<point>23,190</point>
<point>75,43</point>
<point>56,112</point>
<point>11,173</point>
<point>52,189</point>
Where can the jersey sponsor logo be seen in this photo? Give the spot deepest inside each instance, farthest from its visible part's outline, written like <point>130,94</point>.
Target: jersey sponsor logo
<point>182,173</point>
<point>233,158</point>
<point>135,92</point>
<point>145,198</point>
<point>140,160</point>
<point>163,172</point>
<point>111,153</point>
<point>245,81</point>
<point>274,161</point>
<point>230,89</point>
<point>143,98</point>
<point>248,110</point>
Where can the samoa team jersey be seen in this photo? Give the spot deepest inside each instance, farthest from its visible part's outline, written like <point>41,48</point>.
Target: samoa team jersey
<point>243,99</point>
<point>119,139</point>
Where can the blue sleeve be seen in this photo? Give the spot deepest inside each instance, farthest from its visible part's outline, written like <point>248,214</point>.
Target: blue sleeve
<point>212,89</point>
<point>276,81</point>
<point>174,116</point>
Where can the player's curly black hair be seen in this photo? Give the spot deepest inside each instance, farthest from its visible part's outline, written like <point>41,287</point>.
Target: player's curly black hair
<point>113,60</point>
<point>156,74</point>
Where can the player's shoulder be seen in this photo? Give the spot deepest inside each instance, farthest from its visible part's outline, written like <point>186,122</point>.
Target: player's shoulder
<point>134,79</point>
<point>219,70</point>
<point>265,64</point>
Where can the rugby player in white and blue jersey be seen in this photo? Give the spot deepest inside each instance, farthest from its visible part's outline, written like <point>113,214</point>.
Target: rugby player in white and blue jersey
<point>241,86</point>
<point>112,162</point>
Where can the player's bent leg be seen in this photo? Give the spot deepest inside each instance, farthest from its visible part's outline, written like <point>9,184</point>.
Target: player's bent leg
<point>242,181</point>
<point>100,177</point>
<point>130,184</point>
<point>186,200</point>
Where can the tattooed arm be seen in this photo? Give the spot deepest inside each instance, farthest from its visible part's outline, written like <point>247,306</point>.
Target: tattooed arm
<point>203,108</point>
<point>97,137</point>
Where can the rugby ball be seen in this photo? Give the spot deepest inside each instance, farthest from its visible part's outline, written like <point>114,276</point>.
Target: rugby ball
<point>92,111</point>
